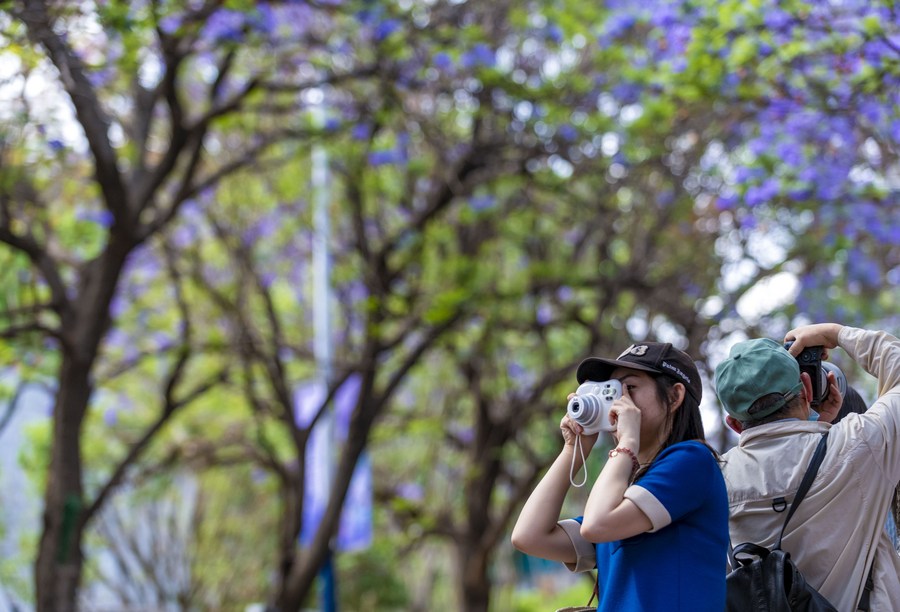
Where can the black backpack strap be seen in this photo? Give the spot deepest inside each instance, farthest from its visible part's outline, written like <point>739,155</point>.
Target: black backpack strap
<point>867,591</point>
<point>805,484</point>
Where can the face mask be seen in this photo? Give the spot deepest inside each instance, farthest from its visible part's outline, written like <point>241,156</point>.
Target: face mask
<point>813,415</point>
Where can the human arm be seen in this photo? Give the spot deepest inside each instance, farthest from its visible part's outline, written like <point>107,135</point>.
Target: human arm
<point>608,514</point>
<point>537,531</point>
<point>819,334</point>
<point>877,352</point>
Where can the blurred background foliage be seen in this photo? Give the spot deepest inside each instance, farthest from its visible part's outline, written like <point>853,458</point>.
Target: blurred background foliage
<point>510,186</point>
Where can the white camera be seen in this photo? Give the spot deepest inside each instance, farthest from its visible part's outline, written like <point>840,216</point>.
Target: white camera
<point>590,406</point>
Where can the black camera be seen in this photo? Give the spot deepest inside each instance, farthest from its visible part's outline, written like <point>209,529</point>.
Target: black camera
<point>810,361</point>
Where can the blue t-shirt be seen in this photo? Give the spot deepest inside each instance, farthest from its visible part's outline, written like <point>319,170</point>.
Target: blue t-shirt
<point>681,566</point>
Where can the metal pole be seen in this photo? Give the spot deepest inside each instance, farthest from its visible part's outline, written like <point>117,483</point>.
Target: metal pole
<point>322,300</point>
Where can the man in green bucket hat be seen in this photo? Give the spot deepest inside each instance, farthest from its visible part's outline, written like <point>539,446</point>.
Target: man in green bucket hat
<point>837,537</point>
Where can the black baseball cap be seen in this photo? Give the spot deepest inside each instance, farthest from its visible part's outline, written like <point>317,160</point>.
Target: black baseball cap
<point>654,357</point>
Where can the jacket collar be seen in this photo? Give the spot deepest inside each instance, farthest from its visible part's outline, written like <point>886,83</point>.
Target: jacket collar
<point>778,429</point>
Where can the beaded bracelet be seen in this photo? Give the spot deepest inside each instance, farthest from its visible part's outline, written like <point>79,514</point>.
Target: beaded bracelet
<point>635,464</point>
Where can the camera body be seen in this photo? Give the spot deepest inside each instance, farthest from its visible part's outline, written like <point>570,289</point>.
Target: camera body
<point>810,361</point>
<point>590,406</point>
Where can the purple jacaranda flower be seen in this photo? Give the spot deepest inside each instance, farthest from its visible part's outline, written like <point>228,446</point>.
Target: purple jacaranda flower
<point>800,194</point>
<point>102,77</point>
<point>385,157</point>
<point>894,131</point>
<point>617,25</point>
<point>293,19</point>
<point>411,491</point>
<point>224,24</point>
<point>726,201</point>
<point>385,28</point>
<point>262,229</point>
<point>829,185</point>
<point>184,235</point>
<point>361,131</point>
<point>872,111</point>
<point>110,417</point>
<point>664,16</point>
<point>170,23</point>
<point>544,314</point>
<point>481,202</point>
<point>762,194</point>
<point>117,306</point>
<point>679,65</point>
<point>875,51</point>
<point>480,55</point>
<point>465,434</point>
<point>863,269</point>
<point>693,290</point>
<point>730,82</point>
<point>745,174</point>
<point>266,279</point>
<point>56,145</point>
<point>665,198</point>
<point>758,146</point>
<point>554,33</point>
<point>748,221</point>
<point>367,16</point>
<point>442,61</point>
<point>789,152</point>
<point>265,19</point>
<point>567,132</point>
<point>777,19</point>
<point>103,217</point>
<point>626,93</point>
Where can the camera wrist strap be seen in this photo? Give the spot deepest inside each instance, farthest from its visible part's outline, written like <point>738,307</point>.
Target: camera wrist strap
<point>578,447</point>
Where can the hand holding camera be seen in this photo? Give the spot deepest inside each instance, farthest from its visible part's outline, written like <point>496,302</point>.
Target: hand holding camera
<point>823,374</point>
<point>589,408</point>
<point>591,403</point>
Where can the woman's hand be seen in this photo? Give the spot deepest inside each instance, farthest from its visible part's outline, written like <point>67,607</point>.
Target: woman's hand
<point>627,418</point>
<point>571,430</point>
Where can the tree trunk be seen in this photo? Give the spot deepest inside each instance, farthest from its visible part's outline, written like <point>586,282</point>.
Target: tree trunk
<point>473,572</point>
<point>59,561</point>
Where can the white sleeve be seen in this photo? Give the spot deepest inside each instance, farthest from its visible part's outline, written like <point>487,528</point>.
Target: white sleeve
<point>585,553</point>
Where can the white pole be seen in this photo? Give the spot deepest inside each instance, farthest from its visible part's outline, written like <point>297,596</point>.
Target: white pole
<point>322,302</point>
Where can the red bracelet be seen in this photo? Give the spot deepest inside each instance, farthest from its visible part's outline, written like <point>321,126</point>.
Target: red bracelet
<point>635,464</point>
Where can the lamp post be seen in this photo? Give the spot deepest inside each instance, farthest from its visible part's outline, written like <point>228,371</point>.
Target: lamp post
<point>322,300</point>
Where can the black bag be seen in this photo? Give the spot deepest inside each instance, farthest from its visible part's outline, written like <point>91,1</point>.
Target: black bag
<point>763,580</point>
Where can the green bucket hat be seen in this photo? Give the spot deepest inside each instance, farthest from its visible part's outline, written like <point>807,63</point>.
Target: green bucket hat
<point>756,368</point>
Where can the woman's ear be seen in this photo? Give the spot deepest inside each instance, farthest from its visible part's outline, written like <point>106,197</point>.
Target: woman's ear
<point>676,396</point>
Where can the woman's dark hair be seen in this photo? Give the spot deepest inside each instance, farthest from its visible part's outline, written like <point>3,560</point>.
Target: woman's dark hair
<point>683,423</point>
<point>853,402</point>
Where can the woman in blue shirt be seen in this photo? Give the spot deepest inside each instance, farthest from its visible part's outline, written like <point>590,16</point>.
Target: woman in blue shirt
<point>655,524</point>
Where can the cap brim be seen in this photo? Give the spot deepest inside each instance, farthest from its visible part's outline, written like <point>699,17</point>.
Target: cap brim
<point>599,370</point>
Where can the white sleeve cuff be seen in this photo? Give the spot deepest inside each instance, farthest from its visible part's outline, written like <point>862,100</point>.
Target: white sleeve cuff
<point>649,505</point>
<point>585,553</point>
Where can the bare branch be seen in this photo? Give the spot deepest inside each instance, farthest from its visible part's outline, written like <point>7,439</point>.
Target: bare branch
<point>88,109</point>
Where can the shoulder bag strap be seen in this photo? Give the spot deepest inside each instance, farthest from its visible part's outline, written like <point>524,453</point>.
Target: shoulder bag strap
<point>807,481</point>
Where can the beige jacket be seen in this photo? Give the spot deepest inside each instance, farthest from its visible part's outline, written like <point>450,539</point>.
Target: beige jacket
<point>838,531</point>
